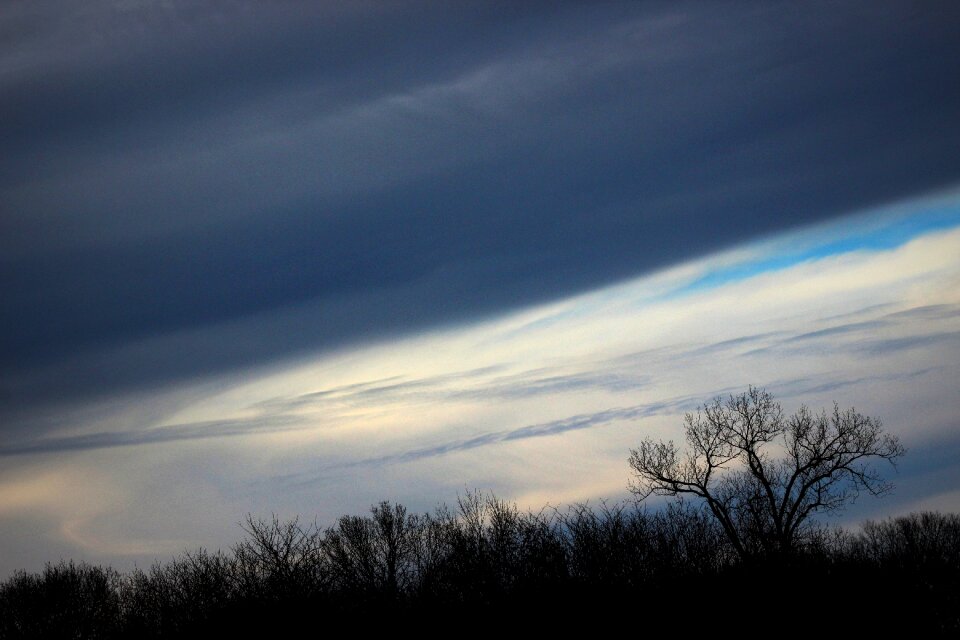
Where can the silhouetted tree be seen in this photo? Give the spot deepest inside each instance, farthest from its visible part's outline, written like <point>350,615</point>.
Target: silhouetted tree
<point>762,475</point>
<point>177,597</point>
<point>280,558</point>
<point>622,546</point>
<point>920,540</point>
<point>66,600</point>
<point>374,557</point>
<point>916,560</point>
<point>490,561</point>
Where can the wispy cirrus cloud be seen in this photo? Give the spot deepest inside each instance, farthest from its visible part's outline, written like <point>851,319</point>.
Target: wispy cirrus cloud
<point>869,329</point>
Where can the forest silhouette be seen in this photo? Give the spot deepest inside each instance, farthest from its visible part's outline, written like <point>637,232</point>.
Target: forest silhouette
<point>715,558</point>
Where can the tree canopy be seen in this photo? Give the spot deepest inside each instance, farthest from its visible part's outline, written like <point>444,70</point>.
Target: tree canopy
<point>763,475</point>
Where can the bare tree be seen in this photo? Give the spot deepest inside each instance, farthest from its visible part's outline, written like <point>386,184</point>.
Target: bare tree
<point>280,557</point>
<point>375,555</point>
<point>762,475</point>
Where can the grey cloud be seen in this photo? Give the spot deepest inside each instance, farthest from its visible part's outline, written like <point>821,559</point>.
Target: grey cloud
<point>279,413</point>
<point>554,427</point>
<point>928,312</point>
<point>872,309</point>
<point>194,191</point>
<point>527,386</point>
<point>476,384</point>
<point>917,327</point>
<point>573,423</point>
<point>630,372</point>
<point>837,330</point>
<point>783,389</point>
<point>153,435</point>
<point>880,347</point>
<point>927,470</point>
<point>803,387</point>
<point>733,343</point>
<point>500,382</point>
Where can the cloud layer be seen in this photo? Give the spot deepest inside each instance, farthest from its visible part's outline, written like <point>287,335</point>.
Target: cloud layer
<point>339,173</point>
<point>539,405</point>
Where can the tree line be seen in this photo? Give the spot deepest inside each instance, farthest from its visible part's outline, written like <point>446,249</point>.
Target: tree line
<point>723,552</point>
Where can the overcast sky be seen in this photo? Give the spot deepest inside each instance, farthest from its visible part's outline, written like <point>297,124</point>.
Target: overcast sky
<point>299,257</point>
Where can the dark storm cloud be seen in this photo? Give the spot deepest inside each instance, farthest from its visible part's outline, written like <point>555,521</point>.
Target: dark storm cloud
<point>188,190</point>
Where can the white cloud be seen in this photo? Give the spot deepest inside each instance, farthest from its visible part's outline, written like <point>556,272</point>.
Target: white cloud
<point>878,329</point>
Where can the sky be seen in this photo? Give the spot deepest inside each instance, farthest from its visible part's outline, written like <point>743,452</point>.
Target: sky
<point>297,258</point>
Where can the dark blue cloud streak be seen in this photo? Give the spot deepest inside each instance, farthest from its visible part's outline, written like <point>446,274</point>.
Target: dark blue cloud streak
<point>142,196</point>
